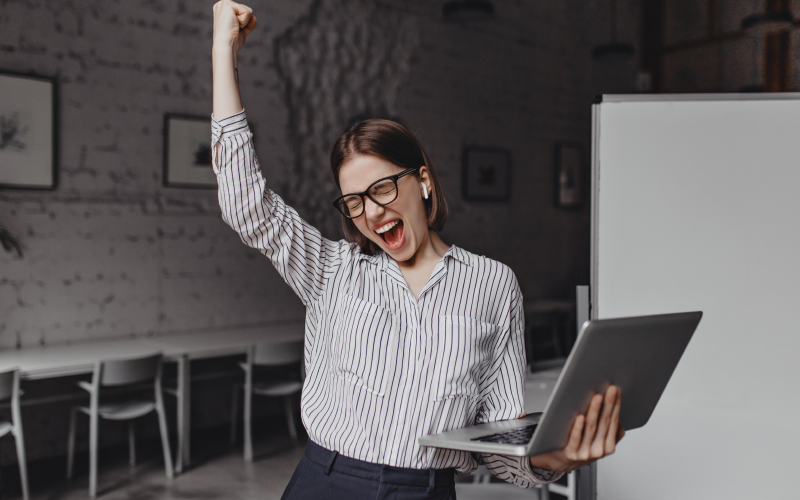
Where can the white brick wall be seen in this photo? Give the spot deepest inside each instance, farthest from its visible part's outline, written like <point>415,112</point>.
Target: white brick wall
<point>113,253</point>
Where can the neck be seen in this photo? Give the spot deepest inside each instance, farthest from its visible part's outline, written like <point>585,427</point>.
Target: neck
<point>432,249</point>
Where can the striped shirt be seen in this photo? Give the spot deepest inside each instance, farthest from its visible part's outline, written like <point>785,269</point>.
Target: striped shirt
<point>384,368</point>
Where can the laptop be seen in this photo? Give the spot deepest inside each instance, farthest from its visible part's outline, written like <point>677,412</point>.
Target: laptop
<point>637,354</point>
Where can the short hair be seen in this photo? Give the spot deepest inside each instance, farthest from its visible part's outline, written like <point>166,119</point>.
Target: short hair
<point>395,143</point>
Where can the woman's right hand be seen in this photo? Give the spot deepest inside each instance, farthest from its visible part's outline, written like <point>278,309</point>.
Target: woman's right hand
<point>232,23</point>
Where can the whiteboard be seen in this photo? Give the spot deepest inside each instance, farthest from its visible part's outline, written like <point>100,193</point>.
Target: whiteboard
<point>696,206</point>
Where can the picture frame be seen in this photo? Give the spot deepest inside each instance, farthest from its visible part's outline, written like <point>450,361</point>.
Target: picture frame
<point>486,174</point>
<point>28,131</point>
<point>568,168</point>
<point>187,152</point>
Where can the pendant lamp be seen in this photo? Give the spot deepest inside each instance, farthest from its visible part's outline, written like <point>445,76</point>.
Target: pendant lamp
<point>613,51</point>
<point>467,10</point>
<point>767,23</point>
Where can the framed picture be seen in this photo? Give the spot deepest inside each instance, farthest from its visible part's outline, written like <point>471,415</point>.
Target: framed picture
<point>27,131</point>
<point>187,152</point>
<point>569,163</point>
<point>486,174</point>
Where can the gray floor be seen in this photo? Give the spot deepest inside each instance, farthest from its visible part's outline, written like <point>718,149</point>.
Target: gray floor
<point>222,476</point>
<point>221,473</point>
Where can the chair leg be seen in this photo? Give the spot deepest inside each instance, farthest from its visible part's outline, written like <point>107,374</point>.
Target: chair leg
<point>162,424</point>
<point>23,465</point>
<point>248,431</point>
<point>71,442</point>
<point>289,406</point>
<point>93,448</point>
<point>132,442</point>
<point>183,395</point>
<point>234,411</point>
<point>16,422</point>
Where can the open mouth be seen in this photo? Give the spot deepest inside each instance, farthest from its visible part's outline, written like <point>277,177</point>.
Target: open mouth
<point>392,234</point>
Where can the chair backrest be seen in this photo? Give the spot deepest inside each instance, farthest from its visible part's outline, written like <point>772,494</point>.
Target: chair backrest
<point>6,384</point>
<point>130,371</point>
<point>277,353</point>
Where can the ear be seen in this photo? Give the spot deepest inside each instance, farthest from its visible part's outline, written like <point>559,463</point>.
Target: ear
<point>425,178</point>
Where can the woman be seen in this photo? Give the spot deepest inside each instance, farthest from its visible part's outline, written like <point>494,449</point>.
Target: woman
<point>405,335</point>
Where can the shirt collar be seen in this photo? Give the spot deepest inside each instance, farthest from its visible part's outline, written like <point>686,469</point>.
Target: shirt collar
<point>381,259</point>
<point>460,255</point>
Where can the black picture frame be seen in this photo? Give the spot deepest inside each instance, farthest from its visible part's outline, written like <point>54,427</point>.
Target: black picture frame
<point>485,174</point>
<point>36,98</point>
<point>187,146</point>
<point>569,161</point>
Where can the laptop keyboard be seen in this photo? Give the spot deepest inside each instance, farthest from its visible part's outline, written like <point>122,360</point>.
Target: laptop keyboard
<point>515,436</point>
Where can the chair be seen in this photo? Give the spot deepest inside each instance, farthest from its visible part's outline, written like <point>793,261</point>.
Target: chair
<point>115,373</point>
<point>9,389</point>
<point>479,486</point>
<point>266,354</point>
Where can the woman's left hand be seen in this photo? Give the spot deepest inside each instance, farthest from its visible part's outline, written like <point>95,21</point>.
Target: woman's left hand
<point>593,436</point>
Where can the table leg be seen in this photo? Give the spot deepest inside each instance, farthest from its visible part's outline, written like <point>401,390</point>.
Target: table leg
<point>184,420</point>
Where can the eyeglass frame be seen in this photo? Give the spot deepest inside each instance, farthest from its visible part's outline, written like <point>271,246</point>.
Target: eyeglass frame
<point>393,178</point>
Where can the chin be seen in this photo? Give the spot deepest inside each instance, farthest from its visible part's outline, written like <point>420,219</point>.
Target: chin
<point>402,254</point>
<point>403,250</point>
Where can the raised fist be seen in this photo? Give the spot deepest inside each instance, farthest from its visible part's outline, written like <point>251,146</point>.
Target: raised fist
<point>232,23</point>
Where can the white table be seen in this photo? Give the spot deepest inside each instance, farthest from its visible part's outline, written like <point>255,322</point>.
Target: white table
<point>80,358</point>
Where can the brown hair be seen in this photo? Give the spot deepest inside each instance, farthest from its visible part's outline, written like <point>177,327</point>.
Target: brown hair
<point>396,144</point>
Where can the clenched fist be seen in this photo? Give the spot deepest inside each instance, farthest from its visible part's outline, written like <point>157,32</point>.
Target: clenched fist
<point>232,23</point>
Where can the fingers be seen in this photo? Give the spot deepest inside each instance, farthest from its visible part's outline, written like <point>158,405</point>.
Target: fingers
<point>614,428</point>
<point>243,14</point>
<point>590,428</point>
<point>604,424</point>
<point>232,21</point>
<point>249,27</point>
<point>574,442</point>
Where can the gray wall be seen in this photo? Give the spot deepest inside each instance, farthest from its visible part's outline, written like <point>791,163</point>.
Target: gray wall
<point>705,49</point>
<point>113,253</point>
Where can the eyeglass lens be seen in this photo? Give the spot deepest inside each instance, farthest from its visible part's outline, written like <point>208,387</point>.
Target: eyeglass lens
<point>382,193</point>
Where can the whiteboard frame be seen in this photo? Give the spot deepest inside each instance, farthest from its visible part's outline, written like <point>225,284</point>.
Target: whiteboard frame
<point>589,484</point>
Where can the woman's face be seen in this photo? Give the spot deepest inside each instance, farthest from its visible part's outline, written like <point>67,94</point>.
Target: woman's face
<point>400,227</point>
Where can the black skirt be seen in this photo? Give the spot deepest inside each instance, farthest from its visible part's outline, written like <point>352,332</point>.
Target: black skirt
<point>324,474</point>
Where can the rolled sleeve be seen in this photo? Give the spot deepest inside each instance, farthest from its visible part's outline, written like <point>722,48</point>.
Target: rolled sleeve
<point>228,127</point>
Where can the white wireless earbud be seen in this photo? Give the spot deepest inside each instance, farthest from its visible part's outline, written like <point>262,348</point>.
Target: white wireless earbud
<point>425,190</point>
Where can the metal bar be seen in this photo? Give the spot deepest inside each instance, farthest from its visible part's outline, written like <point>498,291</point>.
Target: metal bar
<point>585,485</point>
<point>581,307</point>
<point>606,98</point>
<point>652,39</point>
<point>595,203</point>
<point>184,407</point>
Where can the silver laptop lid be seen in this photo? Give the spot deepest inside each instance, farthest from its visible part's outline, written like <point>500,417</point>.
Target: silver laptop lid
<point>637,354</point>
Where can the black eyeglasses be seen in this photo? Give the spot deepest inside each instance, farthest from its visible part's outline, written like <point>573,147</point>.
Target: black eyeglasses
<point>382,192</point>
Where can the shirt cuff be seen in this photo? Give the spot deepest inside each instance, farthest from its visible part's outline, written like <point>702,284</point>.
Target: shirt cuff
<point>541,475</point>
<point>232,125</point>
